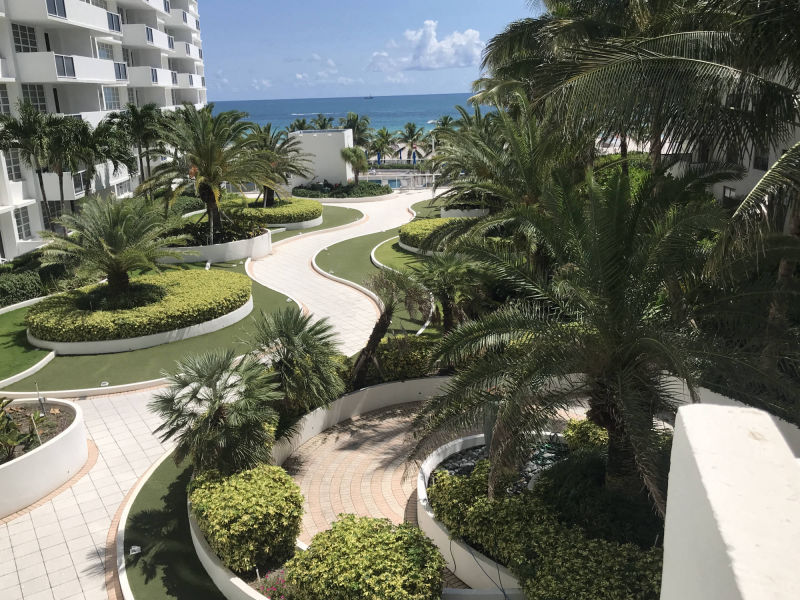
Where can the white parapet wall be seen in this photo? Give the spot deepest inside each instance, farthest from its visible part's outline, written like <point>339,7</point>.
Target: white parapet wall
<point>32,476</point>
<point>324,150</point>
<point>257,247</point>
<point>733,511</point>
<point>447,213</point>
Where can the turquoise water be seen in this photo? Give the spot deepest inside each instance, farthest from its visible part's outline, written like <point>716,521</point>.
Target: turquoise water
<point>392,112</point>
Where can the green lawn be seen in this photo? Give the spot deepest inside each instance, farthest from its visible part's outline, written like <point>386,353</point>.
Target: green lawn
<point>167,567</point>
<point>426,209</point>
<point>75,372</point>
<point>392,255</point>
<point>16,354</point>
<point>332,216</point>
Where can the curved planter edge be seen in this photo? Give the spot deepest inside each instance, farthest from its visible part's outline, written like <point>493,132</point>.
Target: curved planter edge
<point>29,371</point>
<point>146,341</point>
<point>469,565</point>
<point>256,247</point>
<point>299,225</point>
<point>371,295</point>
<point>54,463</point>
<point>354,200</point>
<point>363,219</point>
<point>356,403</point>
<point>23,304</point>
<point>415,250</point>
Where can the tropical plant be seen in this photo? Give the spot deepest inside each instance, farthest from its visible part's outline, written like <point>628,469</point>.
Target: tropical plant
<point>68,150</point>
<point>448,277</point>
<point>322,122</point>
<point>359,124</point>
<point>113,238</point>
<point>219,410</point>
<point>11,436</point>
<point>357,160</point>
<point>287,156</point>
<point>303,355</point>
<point>382,143</point>
<point>141,126</point>
<point>408,138</point>
<point>300,125</point>
<point>107,144</point>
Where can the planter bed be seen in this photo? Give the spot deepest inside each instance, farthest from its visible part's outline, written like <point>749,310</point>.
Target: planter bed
<point>256,247</point>
<point>450,213</point>
<point>31,476</point>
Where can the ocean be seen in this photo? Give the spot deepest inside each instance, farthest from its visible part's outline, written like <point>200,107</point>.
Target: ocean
<point>392,112</point>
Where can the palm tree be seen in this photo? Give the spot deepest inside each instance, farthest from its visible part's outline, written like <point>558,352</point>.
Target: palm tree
<point>410,137</point>
<point>29,135</point>
<point>68,150</point>
<point>618,310</point>
<point>356,158</point>
<point>113,238</point>
<point>300,125</point>
<point>447,276</point>
<point>220,411</point>
<point>304,357</point>
<point>107,143</point>
<point>322,122</point>
<point>217,148</point>
<point>142,126</point>
<point>359,124</point>
<point>287,156</point>
<point>382,142</point>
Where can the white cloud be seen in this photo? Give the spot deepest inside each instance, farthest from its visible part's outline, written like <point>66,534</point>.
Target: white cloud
<point>315,57</point>
<point>398,78</point>
<point>301,76</point>
<point>330,63</point>
<point>261,84</point>
<point>424,51</point>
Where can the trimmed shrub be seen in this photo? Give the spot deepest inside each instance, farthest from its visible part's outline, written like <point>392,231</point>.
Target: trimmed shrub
<point>402,357</point>
<point>189,297</point>
<point>584,435</point>
<point>18,287</point>
<point>364,189</point>
<point>186,204</point>
<point>416,233</point>
<point>292,210</point>
<point>361,558</point>
<point>553,560</point>
<point>250,519</point>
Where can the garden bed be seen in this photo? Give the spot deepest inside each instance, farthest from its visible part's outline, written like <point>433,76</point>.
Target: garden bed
<point>167,302</point>
<point>364,189</point>
<point>415,235</point>
<point>54,421</point>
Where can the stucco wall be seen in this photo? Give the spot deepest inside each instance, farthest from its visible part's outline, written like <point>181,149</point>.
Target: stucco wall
<point>325,160</point>
<point>256,247</point>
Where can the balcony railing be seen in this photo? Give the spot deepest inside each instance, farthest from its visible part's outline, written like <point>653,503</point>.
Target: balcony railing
<point>121,71</point>
<point>65,66</point>
<point>114,22</point>
<point>56,8</point>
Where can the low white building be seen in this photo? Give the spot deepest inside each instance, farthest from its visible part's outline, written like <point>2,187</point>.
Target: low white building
<point>324,148</point>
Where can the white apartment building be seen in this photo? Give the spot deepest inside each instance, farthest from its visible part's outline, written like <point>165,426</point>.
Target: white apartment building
<point>87,58</point>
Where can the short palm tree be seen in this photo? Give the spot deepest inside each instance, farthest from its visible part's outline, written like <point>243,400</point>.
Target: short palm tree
<point>359,125</point>
<point>287,156</point>
<point>112,238</point>
<point>107,143</point>
<point>383,142</point>
<point>304,357</point>
<point>410,136</point>
<point>300,125</point>
<point>447,276</point>
<point>219,409</point>
<point>142,126</point>
<point>356,158</point>
<point>322,122</point>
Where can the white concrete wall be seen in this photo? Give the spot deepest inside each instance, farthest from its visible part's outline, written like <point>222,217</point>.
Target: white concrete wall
<point>257,247</point>
<point>733,509</point>
<point>325,160</point>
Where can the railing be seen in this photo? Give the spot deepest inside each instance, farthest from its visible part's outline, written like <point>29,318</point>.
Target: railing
<point>191,80</point>
<point>121,71</point>
<point>201,53</point>
<point>56,8</point>
<point>65,66</point>
<point>197,24</point>
<point>114,22</point>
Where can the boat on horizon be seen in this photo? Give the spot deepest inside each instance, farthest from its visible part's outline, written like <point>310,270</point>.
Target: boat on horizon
<point>370,97</point>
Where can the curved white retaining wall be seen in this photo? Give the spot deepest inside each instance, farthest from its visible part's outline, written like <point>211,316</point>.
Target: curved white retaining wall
<point>32,476</point>
<point>415,250</point>
<point>23,304</point>
<point>29,371</point>
<point>473,568</point>
<point>145,341</point>
<point>354,200</point>
<point>295,226</point>
<point>368,293</point>
<point>256,247</point>
<point>447,213</point>
<point>314,423</point>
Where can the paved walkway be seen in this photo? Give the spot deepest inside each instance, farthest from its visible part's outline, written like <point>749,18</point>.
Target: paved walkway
<point>288,269</point>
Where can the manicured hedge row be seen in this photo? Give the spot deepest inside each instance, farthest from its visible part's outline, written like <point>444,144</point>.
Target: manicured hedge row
<point>18,287</point>
<point>364,189</point>
<point>552,560</point>
<point>291,210</point>
<point>402,357</point>
<point>417,232</point>
<point>360,558</point>
<point>187,204</point>
<point>191,297</point>
<point>250,519</point>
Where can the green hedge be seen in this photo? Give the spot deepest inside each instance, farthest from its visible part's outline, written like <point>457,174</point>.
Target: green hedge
<point>18,287</point>
<point>553,561</point>
<point>402,357</point>
<point>190,297</point>
<point>187,204</point>
<point>416,233</point>
<point>584,435</point>
<point>250,519</point>
<point>364,189</point>
<point>360,558</point>
<point>292,210</point>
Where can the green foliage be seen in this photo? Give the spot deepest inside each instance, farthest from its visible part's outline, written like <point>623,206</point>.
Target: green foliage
<point>416,233</point>
<point>363,189</point>
<point>553,561</point>
<point>402,357</point>
<point>18,287</point>
<point>250,519</point>
<point>190,297</point>
<point>290,210</point>
<point>639,167</point>
<point>11,436</point>
<point>186,204</point>
<point>584,435</point>
<point>361,558</point>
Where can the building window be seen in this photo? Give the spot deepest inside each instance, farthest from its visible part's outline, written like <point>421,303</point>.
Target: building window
<point>80,183</point>
<point>65,66</point>
<point>24,38</point>
<point>111,98</point>
<point>761,159</point>
<point>5,105</point>
<point>728,193</point>
<point>13,165</point>
<point>175,98</point>
<point>23,221</point>
<point>105,51</point>
<point>35,95</point>
<point>101,4</point>
<point>124,188</point>
<point>114,22</point>
<point>56,8</point>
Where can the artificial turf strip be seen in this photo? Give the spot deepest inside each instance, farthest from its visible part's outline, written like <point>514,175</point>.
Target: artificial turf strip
<point>427,209</point>
<point>393,256</point>
<point>167,568</point>
<point>16,354</point>
<point>332,216</point>
<point>78,372</point>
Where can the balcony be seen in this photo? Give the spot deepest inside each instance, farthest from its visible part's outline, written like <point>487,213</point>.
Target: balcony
<point>152,77</point>
<point>181,18</point>
<point>76,186</point>
<point>63,13</point>
<point>190,80</point>
<point>159,5</point>
<point>187,50</point>
<point>49,67</point>
<point>143,36</point>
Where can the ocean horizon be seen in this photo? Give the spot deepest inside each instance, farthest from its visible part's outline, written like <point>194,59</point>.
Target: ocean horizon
<point>392,112</point>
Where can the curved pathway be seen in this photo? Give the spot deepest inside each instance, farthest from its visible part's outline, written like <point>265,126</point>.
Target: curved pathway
<point>288,269</point>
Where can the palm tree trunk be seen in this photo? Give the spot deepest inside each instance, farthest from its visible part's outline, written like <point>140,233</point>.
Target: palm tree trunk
<point>212,208</point>
<point>141,163</point>
<point>149,170</point>
<point>61,192</point>
<point>45,205</point>
<point>359,377</point>
<point>448,315</point>
<point>355,172</point>
<point>118,283</point>
<point>623,154</point>
<point>621,471</point>
<point>269,197</point>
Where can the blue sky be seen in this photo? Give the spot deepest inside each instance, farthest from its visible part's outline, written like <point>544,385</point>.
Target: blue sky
<point>256,49</point>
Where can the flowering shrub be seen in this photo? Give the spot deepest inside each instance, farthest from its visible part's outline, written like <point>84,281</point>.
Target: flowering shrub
<point>274,586</point>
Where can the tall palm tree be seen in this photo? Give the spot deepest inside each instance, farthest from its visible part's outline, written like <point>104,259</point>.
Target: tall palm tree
<point>382,143</point>
<point>112,238</point>
<point>322,122</point>
<point>300,125</point>
<point>217,148</point>
<point>304,357</point>
<point>68,150</point>
<point>359,124</point>
<point>142,126</point>
<point>220,411</point>
<point>410,136</point>
<point>107,143</point>
<point>29,135</point>
<point>356,158</point>
<point>287,156</point>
